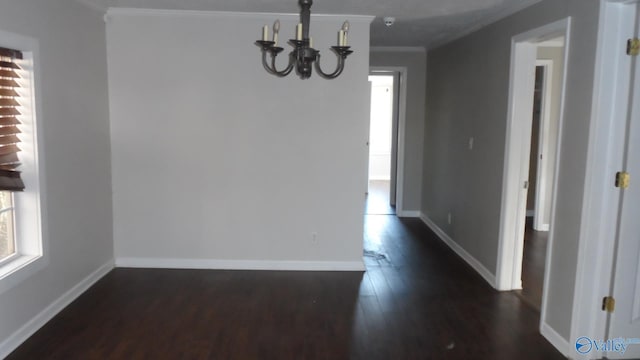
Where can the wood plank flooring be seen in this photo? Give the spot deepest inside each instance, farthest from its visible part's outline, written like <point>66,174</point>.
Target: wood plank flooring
<point>533,262</point>
<point>417,300</point>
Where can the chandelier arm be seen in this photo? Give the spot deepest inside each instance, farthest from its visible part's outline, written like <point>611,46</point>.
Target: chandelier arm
<point>336,73</point>
<point>271,69</point>
<point>284,72</point>
<point>265,64</point>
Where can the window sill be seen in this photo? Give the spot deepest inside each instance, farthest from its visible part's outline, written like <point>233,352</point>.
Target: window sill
<point>19,269</point>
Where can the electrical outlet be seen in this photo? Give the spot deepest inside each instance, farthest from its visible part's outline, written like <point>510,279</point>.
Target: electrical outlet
<point>471,141</point>
<point>314,237</point>
<point>449,219</point>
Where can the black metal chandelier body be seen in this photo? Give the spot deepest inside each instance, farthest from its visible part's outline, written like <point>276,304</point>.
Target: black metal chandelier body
<point>303,56</point>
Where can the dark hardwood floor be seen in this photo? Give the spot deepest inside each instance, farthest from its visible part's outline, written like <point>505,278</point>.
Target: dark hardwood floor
<point>533,261</point>
<point>417,300</point>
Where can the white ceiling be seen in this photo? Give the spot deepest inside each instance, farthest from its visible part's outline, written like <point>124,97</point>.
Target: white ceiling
<point>418,22</point>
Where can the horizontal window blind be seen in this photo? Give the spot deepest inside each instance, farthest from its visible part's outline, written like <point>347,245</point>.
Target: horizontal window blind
<point>9,120</point>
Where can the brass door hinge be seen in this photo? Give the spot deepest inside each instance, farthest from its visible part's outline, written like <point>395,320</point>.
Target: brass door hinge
<point>623,179</point>
<point>608,304</point>
<point>633,47</point>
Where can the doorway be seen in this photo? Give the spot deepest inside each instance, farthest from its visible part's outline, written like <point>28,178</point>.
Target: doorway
<point>547,94</point>
<point>525,53</point>
<point>383,144</point>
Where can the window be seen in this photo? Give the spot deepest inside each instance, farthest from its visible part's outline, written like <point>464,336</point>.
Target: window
<point>9,140</point>
<point>22,245</point>
<point>7,239</point>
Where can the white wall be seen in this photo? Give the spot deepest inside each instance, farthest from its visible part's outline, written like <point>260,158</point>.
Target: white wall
<point>414,59</point>
<point>218,164</point>
<point>74,130</point>
<point>467,95</point>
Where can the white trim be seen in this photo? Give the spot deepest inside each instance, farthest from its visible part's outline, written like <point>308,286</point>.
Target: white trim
<point>402,126</point>
<point>117,11</point>
<point>33,325</point>
<point>405,49</point>
<point>543,147</point>
<point>514,194</point>
<point>605,154</point>
<point>213,264</point>
<point>468,258</point>
<point>409,214</point>
<point>559,42</point>
<point>560,343</point>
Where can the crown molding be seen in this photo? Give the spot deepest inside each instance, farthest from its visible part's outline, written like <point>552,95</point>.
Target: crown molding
<point>413,49</point>
<point>118,11</point>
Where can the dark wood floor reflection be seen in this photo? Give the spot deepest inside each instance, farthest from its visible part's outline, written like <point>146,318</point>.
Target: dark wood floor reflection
<point>417,300</point>
<point>533,261</point>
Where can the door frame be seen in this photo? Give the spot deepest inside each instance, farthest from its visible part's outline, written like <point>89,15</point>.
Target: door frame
<point>604,158</point>
<point>543,147</point>
<point>517,151</point>
<point>400,104</point>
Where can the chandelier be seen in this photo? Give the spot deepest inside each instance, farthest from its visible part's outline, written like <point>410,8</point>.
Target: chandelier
<point>303,56</point>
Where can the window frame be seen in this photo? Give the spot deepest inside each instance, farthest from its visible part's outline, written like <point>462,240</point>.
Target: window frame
<point>29,209</point>
<point>16,251</point>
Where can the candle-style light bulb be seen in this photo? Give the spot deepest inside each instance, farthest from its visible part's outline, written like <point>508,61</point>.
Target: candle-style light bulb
<point>345,29</point>
<point>276,30</point>
<point>265,33</point>
<point>299,31</point>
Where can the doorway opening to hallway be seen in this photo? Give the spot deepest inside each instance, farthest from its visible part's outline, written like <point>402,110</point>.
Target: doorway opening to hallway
<point>383,135</point>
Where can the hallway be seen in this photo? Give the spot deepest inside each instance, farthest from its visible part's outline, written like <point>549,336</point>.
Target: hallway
<point>378,198</point>
<point>417,300</point>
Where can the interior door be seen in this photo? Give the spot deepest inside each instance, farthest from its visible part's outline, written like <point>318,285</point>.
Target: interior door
<point>624,322</point>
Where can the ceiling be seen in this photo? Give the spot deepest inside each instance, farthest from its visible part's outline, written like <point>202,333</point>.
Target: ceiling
<point>426,23</point>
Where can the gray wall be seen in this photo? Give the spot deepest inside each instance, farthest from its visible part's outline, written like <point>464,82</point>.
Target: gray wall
<point>75,133</point>
<point>217,163</point>
<point>467,95</point>
<point>415,62</point>
<point>555,54</point>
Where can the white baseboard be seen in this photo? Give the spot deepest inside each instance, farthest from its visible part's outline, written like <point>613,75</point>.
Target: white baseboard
<point>240,264</point>
<point>560,343</point>
<point>409,214</point>
<point>473,262</point>
<point>28,329</point>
